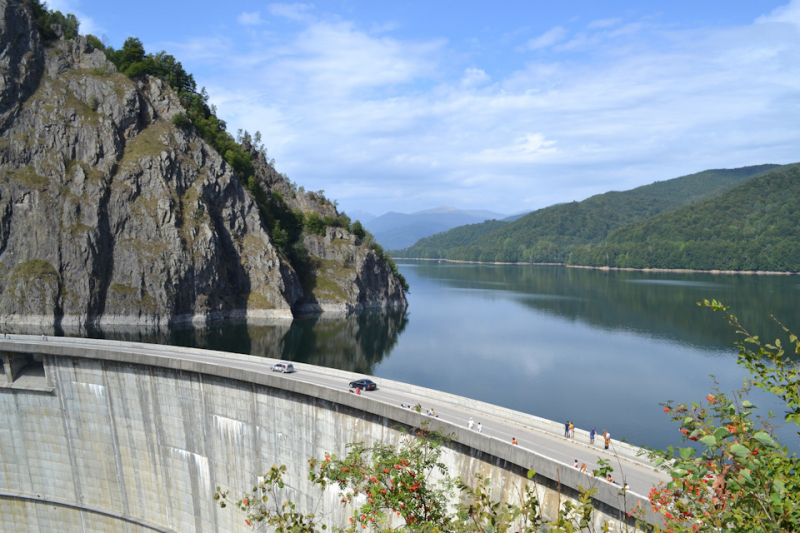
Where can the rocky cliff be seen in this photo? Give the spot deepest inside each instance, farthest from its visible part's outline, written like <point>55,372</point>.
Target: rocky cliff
<point>110,214</point>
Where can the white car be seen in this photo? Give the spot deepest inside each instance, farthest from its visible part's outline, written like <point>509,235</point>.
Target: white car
<point>283,367</point>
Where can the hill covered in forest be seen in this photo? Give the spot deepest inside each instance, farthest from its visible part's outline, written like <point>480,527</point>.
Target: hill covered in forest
<point>550,235</point>
<point>755,226</point>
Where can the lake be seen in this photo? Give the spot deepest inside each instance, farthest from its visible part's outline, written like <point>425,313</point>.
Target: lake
<point>600,348</point>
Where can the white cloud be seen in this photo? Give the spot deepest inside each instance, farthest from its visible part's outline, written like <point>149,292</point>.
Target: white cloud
<point>385,123</point>
<point>547,39</point>
<point>788,14</point>
<point>473,77</point>
<point>201,49</point>
<point>297,12</point>
<point>333,59</point>
<point>603,23</point>
<point>528,148</point>
<point>250,19</point>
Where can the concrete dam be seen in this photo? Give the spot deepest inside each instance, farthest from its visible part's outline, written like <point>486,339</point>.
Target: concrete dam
<point>113,436</point>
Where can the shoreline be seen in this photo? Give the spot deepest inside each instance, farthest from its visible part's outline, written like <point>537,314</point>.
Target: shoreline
<point>623,269</point>
<point>256,317</point>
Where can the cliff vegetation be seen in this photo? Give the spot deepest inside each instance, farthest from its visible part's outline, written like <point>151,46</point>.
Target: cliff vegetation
<point>117,173</point>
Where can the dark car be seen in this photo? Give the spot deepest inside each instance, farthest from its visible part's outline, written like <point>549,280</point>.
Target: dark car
<point>363,384</point>
<point>283,367</point>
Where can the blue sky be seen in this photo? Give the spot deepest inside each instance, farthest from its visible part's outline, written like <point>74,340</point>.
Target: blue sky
<point>404,106</point>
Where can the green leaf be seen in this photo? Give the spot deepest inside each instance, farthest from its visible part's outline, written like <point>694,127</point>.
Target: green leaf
<point>679,473</point>
<point>764,439</point>
<point>659,460</point>
<point>686,453</point>
<point>748,404</point>
<point>740,451</point>
<point>709,441</point>
<point>721,433</point>
<point>531,473</point>
<point>778,486</point>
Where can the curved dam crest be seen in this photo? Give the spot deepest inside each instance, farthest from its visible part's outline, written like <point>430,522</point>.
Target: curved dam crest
<point>113,436</point>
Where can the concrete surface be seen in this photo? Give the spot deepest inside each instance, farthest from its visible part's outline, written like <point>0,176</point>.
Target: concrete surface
<point>135,437</point>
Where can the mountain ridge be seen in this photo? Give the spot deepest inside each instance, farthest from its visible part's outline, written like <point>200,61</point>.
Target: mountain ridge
<point>550,234</point>
<point>394,229</point>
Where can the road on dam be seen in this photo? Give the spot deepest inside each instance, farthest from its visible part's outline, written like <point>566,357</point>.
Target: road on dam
<point>499,424</point>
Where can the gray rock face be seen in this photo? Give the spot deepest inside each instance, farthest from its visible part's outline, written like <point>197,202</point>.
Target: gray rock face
<point>347,276</point>
<point>21,58</point>
<point>109,214</point>
<point>344,275</point>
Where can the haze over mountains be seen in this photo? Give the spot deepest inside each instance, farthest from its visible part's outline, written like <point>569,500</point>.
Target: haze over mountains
<point>662,225</point>
<point>400,230</point>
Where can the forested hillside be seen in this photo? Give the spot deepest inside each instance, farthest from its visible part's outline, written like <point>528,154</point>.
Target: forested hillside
<point>550,235</point>
<point>753,227</point>
<point>439,245</point>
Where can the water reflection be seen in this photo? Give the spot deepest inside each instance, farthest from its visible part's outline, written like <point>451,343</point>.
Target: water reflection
<point>601,348</point>
<point>355,343</point>
<point>661,304</point>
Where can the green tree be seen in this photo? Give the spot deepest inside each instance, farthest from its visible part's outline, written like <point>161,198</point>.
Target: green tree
<point>130,59</point>
<point>408,483</point>
<point>47,21</point>
<point>740,478</point>
<point>358,230</point>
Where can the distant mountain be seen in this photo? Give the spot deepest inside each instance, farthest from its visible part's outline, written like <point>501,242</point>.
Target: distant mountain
<point>362,216</point>
<point>399,230</point>
<point>517,216</point>
<point>755,226</point>
<point>549,235</point>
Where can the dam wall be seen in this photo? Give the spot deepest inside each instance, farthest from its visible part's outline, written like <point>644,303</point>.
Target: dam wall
<point>106,436</point>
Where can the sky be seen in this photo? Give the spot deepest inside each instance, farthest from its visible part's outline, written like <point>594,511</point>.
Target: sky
<point>506,106</point>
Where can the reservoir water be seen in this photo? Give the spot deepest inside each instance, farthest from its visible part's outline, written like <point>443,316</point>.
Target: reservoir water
<point>600,348</point>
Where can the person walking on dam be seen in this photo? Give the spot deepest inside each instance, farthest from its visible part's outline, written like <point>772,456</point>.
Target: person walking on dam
<point>592,435</point>
<point>566,429</point>
<point>571,429</point>
<point>471,423</point>
<point>607,437</point>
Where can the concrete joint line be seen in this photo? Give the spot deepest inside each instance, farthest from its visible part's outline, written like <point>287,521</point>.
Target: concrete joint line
<point>37,498</point>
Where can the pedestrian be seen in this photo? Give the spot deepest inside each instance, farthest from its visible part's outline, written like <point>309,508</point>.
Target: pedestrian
<point>571,430</point>
<point>592,435</point>
<point>583,468</point>
<point>576,463</point>
<point>480,428</point>
<point>514,440</point>
<point>566,429</point>
<point>471,423</point>
<point>608,439</point>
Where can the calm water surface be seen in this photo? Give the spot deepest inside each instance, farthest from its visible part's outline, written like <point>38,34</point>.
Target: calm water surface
<point>600,348</point>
